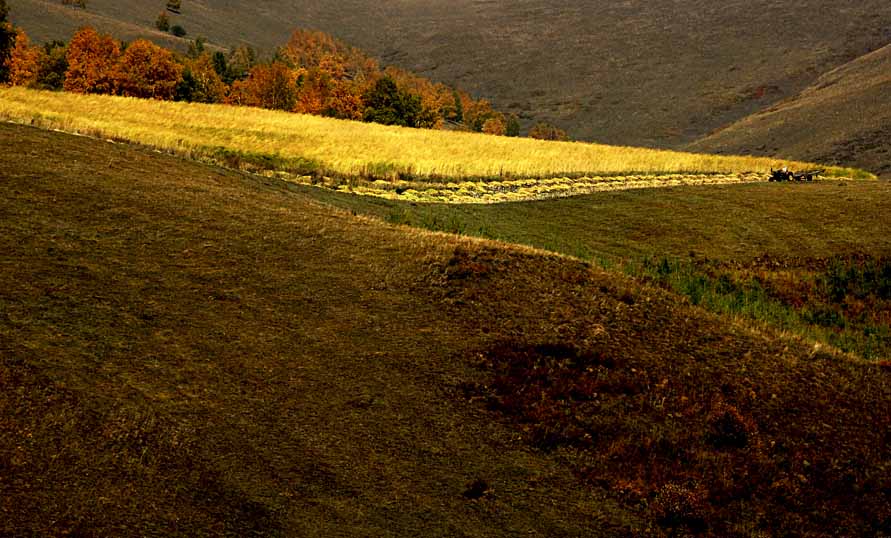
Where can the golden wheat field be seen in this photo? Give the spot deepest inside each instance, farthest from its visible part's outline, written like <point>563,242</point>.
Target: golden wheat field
<point>304,144</point>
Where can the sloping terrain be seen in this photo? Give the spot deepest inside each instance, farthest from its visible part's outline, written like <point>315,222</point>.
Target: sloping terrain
<point>843,117</point>
<point>656,73</point>
<point>188,351</point>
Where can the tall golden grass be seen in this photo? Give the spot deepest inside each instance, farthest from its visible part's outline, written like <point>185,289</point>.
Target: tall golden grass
<point>348,148</point>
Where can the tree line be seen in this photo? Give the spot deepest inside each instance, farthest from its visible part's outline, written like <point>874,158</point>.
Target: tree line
<point>313,73</point>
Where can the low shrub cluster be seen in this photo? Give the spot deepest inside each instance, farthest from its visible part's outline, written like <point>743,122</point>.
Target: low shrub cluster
<point>694,459</point>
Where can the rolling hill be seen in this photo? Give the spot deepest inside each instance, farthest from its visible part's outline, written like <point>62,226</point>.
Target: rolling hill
<point>659,73</point>
<point>191,351</point>
<point>844,116</point>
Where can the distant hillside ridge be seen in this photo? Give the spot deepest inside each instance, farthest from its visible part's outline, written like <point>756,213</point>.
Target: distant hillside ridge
<point>653,73</point>
<point>844,117</point>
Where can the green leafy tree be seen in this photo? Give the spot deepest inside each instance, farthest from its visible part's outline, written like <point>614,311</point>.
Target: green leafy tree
<point>221,66</point>
<point>7,41</point>
<point>513,126</point>
<point>53,65</point>
<point>239,64</point>
<point>174,6</point>
<point>178,30</point>
<point>459,108</point>
<point>388,105</point>
<point>200,82</point>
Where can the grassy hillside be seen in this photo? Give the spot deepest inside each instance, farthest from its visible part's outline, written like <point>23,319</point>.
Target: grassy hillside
<point>189,351</point>
<point>843,117</point>
<point>314,148</point>
<point>810,259</point>
<point>657,73</point>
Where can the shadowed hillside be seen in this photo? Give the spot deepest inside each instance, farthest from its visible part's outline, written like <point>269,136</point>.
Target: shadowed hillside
<point>844,116</point>
<point>189,351</point>
<point>658,73</point>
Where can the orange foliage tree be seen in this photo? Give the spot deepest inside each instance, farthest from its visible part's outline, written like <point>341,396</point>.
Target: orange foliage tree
<point>325,90</point>
<point>267,86</point>
<point>91,61</point>
<point>495,125</point>
<point>476,113</point>
<point>331,76</point>
<point>148,71</point>
<point>546,131</point>
<point>24,62</point>
<point>310,49</point>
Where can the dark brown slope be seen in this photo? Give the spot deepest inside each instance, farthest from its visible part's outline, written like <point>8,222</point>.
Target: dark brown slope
<point>844,117</point>
<point>640,72</point>
<point>187,351</point>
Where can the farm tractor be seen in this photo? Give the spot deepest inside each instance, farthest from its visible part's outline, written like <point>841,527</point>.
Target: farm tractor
<point>784,174</point>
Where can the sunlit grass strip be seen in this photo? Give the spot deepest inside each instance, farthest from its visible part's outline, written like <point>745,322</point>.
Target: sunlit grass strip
<point>312,144</point>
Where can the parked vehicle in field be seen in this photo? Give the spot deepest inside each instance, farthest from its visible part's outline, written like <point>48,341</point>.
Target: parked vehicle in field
<point>784,174</point>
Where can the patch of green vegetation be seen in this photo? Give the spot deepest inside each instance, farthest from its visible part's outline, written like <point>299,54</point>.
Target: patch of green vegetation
<point>263,162</point>
<point>824,315</point>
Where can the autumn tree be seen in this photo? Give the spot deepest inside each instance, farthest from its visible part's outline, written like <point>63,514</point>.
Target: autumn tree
<point>495,125</point>
<point>147,70</point>
<point>476,113</point>
<point>91,61</point>
<point>325,90</point>
<point>268,86</point>
<point>7,41</point>
<point>546,131</point>
<point>200,82</point>
<point>310,49</point>
<point>24,62</point>
<point>332,76</point>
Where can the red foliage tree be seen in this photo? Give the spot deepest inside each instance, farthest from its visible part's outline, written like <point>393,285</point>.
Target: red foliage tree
<point>148,71</point>
<point>91,62</point>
